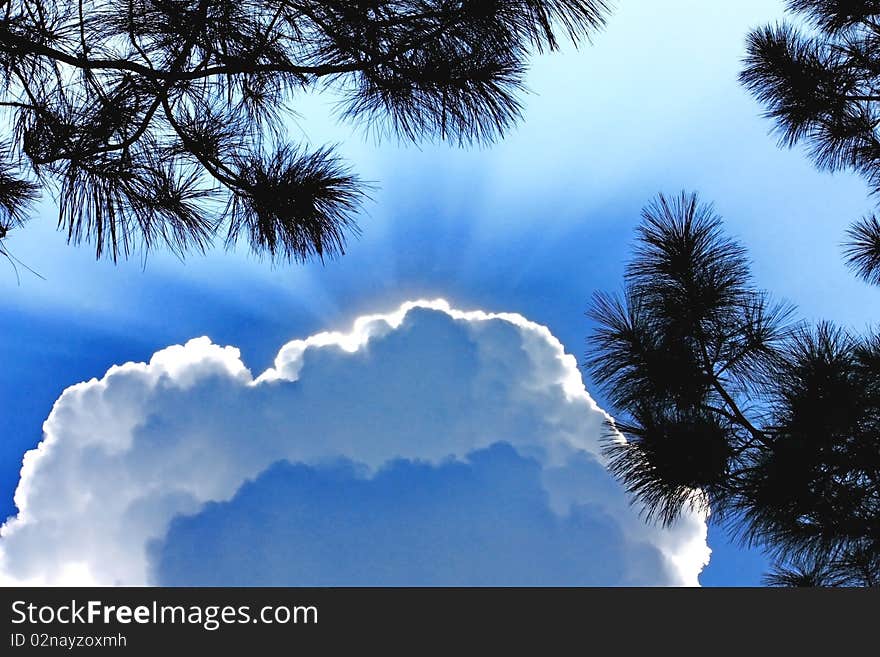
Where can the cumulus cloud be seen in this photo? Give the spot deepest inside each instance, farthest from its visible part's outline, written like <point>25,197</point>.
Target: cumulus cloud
<point>424,446</point>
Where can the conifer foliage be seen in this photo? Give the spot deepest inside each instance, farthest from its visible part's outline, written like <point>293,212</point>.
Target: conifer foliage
<point>820,82</point>
<point>161,122</point>
<point>724,402</point>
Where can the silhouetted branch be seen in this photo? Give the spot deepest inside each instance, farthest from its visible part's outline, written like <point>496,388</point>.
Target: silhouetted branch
<point>98,89</point>
<point>863,249</point>
<point>724,404</point>
<point>822,88</point>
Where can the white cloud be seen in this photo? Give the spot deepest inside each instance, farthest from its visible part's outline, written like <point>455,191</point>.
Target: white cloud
<point>424,391</point>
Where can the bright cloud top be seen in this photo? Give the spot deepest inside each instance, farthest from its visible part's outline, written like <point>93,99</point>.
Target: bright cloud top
<point>425,446</point>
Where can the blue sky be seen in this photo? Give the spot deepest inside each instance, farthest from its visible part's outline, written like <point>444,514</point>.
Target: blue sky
<point>533,225</point>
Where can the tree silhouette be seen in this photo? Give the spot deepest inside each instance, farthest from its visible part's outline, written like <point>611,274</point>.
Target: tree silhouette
<point>822,87</point>
<point>161,121</point>
<point>723,401</point>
